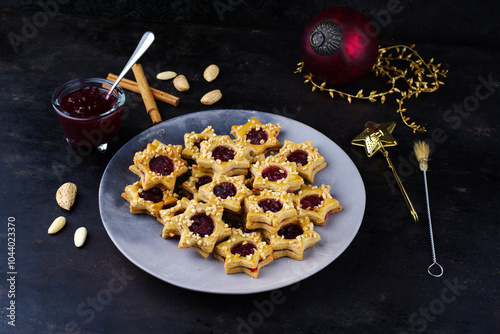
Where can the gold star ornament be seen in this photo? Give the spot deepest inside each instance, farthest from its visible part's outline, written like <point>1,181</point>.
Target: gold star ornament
<point>376,137</point>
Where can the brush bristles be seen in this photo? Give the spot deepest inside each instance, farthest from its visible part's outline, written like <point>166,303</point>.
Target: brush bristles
<point>422,151</point>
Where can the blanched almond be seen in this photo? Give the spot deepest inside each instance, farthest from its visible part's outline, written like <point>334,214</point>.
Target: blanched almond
<point>211,97</point>
<point>181,83</point>
<point>167,75</point>
<point>80,236</point>
<point>65,195</point>
<point>211,72</point>
<point>57,225</point>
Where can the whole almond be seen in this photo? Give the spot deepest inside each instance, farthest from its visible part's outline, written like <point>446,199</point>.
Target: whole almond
<point>211,97</point>
<point>65,195</point>
<point>167,75</point>
<point>57,225</point>
<point>181,83</point>
<point>80,236</point>
<point>211,72</point>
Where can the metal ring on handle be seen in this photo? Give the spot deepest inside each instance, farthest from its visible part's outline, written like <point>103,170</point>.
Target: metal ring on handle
<point>440,268</point>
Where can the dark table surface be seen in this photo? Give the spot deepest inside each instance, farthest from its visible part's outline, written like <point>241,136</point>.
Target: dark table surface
<point>379,284</point>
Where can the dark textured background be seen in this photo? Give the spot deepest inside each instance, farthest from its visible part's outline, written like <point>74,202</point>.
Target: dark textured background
<point>378,285</point>
<point>473,23</point>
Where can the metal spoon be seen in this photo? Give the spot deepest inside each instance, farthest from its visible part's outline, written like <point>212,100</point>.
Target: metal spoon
<point>145,42</point>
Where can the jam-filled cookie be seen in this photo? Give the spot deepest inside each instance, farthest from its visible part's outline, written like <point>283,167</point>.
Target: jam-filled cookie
<point>224,156</point>
<point>244,252</point>
<point>307,158</point>
<point>292,239</point>
<point>167,215</point>
<point>277,174</point>
<point>149,201</point>
<point>192,142</point>
<point>262,138</point>
<point>269,210</point>
<point>159,164</point>
<point>201,227</point>
<point>228,191</point>
<point>199,177</point>
<point>316,203</point>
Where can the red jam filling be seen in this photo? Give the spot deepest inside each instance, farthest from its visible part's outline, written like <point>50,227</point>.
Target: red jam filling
<point>154,195</point>
<point>223,153</point>
<point>88,101</point>
<point>290,231</point>
<point>202,224</point>
<point>162,165</point>
<point>310,201</point>
<point>202,181</point>
<point>270,204</point>
<point>243,249</point>
<point>257,137</point>
<point>274,173</point>
<point>197,144</point>
<point>299,157</point>
<point>225,190</point>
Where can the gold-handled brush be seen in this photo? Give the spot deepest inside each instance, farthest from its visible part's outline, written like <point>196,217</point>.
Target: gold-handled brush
<point>422,152</point>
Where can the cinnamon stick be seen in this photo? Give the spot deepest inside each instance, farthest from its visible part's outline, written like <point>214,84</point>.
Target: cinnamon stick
<point>158,94</point>
<point>147,95</point>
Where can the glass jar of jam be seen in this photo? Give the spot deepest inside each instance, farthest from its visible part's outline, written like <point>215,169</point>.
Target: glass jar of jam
<point>87,117</point>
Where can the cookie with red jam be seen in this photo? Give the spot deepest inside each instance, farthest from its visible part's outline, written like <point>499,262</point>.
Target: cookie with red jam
<point>306,157</point>
<point>149,201</point>
<point>199,177</point>
<point>167,215</point>
<point>316,203</point>
<point>269,210</point>
<point>159,165</point>
<point>276,174</point>
<point>201,227</point>
<point>223,155</point>
<point>244,253</point>
<point>228,191</point>
<point>292,239</point>
<point>262,138</point>
<point>192,142</point>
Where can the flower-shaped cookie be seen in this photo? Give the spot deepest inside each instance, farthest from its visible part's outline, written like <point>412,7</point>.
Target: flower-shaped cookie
<point>277,174</point>
<point>201,227</point>
<point>262,138</point>
<point>167,215</point>
<point>244,252</point>
<point>193,140</point>
<point>159,164</point>
<point>228,191</point>
<point>316,203</point>
<point>292,239</point>
<point>307,158</point>
<point>149,201</point>
<point>269,210</point>
<point>199,177</point>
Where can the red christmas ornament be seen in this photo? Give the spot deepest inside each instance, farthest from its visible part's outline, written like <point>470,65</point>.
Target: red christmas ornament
<point>339,45</point>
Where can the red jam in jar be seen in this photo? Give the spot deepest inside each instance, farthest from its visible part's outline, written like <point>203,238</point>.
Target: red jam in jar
<point>87,118</point>
<point>88,101</point>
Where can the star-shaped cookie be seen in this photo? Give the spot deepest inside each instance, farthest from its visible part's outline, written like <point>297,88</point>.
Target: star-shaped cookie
<point>149,201</point>
<point>292,239</point>
<point>244,252</point>
<point>262,138</point>
<point>201,227</point>
<point>159,164</point>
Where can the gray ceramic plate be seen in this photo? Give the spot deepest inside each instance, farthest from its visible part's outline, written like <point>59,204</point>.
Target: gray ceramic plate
<point>138,237</point>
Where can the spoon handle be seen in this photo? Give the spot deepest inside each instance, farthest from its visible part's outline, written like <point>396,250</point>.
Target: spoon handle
<point>145,42</point>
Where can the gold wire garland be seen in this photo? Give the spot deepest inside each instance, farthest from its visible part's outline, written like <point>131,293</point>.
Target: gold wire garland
<point>414,76</point>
